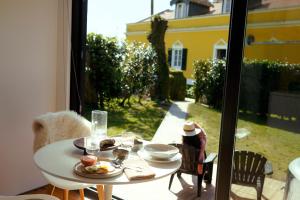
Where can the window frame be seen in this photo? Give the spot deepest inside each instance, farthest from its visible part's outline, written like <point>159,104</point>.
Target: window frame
<point>220,45</point>
<point>182,12</point>
<point>177,55</point>
<point>238,16</point>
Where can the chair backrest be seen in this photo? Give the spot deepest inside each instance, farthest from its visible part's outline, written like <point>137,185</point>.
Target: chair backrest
<point>57,126</point>
<point>248,167</point>
<point>190,156</point>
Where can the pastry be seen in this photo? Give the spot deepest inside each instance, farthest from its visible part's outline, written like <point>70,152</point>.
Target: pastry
<point>107,143</point>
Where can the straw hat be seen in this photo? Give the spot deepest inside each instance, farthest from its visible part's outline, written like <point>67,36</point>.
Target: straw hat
<point>189,129</point>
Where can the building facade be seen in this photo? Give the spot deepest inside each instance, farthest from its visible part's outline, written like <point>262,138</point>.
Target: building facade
<point>191,36</point>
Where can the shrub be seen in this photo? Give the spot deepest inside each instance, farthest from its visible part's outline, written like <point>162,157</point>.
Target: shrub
<point>209,80</point>
<point>177,85</point>
<point>190,91</point>
<point>103,64</point>
<point>258,79</point>
<point>138,70</point>
<point>215,79</point>
<point>201,69</point>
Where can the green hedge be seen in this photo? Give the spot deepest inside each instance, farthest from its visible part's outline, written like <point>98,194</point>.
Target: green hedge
<point>177,85</point>
<point>209,80</point>
<point>258,79</point>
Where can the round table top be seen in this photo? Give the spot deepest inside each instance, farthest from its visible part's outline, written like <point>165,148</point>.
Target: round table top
<point>59,158</point>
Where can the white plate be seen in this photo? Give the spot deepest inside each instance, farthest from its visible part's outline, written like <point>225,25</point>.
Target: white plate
<point>79,170</point>
<point>161,151</point>
<point>144,155</point>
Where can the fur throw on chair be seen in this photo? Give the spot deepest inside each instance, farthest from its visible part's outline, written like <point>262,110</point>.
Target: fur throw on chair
<point>57,126</point>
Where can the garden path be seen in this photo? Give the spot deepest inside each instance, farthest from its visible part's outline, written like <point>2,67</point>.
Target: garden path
<point>169,129</point>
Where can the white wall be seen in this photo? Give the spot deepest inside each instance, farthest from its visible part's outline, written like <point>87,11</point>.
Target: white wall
<point>34,68</point>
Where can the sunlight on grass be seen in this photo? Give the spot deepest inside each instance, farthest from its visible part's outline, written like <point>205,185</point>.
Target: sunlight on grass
<point>140,119</point>
<point>278,146</point>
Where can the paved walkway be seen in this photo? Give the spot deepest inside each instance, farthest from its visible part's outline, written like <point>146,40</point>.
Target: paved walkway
<point>169,129</point>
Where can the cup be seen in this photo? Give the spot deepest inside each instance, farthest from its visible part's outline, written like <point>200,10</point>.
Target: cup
<point>99,124</point>
<point>127,140</point>
<point>91,145</point>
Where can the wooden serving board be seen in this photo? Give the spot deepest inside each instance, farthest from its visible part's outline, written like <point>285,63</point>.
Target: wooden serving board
<point>79,170</point>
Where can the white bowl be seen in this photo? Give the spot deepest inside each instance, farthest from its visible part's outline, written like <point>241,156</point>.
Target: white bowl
<point>161,151</point>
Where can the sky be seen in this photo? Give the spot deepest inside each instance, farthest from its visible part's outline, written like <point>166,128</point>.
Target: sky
<point>109,17</point>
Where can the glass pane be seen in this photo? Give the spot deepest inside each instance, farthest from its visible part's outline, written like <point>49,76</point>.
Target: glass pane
<point>115,82</point>
<point>269,102</point>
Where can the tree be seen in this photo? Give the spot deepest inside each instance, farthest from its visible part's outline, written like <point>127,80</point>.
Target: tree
<point>138,70</point>
<point>156,38</point>
<point>103,65</point>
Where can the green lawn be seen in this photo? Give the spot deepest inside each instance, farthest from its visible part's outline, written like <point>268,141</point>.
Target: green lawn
<point>277,145</point>
<point>141,119</point>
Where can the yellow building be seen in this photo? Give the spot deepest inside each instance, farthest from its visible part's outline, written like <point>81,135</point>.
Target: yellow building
<point>272,33</point>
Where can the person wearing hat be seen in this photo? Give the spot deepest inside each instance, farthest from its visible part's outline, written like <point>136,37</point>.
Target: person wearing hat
<point>194,135</point>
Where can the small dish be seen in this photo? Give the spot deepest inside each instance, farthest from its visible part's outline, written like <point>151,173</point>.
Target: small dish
<point>120,154</point>
<point>161,151</point>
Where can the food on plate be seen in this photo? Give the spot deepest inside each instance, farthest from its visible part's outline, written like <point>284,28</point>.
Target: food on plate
<point>107,143</point>
<point>100,168</point>
<point>88,160</point>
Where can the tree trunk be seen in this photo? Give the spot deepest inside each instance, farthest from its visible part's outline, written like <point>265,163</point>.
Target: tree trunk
<point>101,100</point>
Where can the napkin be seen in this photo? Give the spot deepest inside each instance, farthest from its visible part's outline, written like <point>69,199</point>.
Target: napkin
<point>137,169</point>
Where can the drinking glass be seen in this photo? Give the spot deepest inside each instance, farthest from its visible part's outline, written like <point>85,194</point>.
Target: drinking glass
<point>127,140</point>
<point>99,124</point>
<point>91,145</point>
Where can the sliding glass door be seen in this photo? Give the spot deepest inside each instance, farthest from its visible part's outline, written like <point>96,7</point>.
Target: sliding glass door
<point>267,137</point>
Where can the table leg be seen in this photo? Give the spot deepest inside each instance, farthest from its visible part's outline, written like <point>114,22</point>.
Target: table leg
<point>108,192</point>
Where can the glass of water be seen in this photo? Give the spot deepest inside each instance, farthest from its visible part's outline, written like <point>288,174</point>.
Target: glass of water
<point>99,124</point>
<point>92,145</point>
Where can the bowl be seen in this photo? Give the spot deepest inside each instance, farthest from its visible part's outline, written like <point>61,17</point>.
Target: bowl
<point>161,151</point>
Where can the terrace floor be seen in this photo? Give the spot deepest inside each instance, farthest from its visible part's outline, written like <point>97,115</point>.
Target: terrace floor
<point>182,189</point>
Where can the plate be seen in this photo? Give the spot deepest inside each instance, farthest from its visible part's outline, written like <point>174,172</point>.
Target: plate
<point>79,170</point>
<point>144,155</point>
<point>161,151</point>
<point>79,143</point>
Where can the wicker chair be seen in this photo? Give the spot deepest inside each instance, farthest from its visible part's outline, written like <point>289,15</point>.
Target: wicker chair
<point>189,165</point>
<point>249,169</point>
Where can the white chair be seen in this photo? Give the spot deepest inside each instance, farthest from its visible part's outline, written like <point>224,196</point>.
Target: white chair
<point>29,197</point>
<point>57,126</point>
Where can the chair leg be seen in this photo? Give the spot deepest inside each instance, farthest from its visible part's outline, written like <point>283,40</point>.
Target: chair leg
<point>52,191</point>
<point>81,191</point>
<point>66,194</point>
<point>259,187</point>
<point>179,174</point>
<point>259,193</point>
<point>208,175</point>
<point>199,185</point>
<point>100,190</point>
<point>171,180</point>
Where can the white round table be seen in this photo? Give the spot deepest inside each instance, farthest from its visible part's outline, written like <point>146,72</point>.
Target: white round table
<point>59,158</point>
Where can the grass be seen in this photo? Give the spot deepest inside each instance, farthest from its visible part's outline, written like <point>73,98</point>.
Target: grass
<point>143,119</point>
<point>277,145</point>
